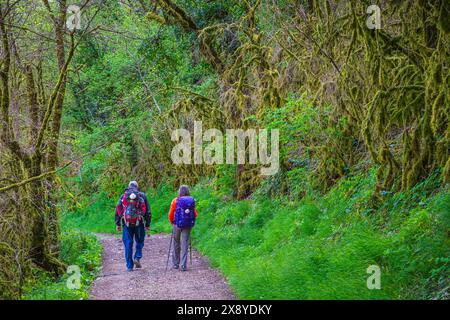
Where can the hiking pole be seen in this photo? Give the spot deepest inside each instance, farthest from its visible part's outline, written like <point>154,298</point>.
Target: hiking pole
<point>147,233</point>
<point>190,248</point>
<point>168,254</point>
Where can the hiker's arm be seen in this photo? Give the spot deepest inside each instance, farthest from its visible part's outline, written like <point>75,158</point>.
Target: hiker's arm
<point>148,212</point>
<point>195,212</point>
<point>173,206</point>
<point>118,214</point>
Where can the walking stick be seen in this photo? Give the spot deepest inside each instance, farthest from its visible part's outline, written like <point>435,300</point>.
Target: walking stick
<point>168,254</point>
<point>190,248</point>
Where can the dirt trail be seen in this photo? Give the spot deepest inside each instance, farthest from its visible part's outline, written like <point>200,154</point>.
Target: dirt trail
<point>200,281</point>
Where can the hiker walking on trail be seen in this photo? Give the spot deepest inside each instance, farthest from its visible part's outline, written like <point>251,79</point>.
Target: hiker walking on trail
<point>182,216</point>
<point>133,218</point>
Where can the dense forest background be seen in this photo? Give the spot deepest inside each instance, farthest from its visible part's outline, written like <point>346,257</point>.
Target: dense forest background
<point>363,115</point>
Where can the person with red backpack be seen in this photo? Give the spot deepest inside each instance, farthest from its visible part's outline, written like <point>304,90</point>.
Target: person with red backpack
<point>133,217</point>
<point>182,216</point>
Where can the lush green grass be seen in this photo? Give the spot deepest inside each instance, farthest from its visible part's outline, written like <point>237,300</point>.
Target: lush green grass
<point>94,215</point>
<point>77,249</point>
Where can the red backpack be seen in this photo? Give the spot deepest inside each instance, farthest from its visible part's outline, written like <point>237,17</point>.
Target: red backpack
<point>133,207</point>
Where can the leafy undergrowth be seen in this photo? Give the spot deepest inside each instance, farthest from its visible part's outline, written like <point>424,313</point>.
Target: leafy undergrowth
<point>79,249</point>
<point>94,215</point>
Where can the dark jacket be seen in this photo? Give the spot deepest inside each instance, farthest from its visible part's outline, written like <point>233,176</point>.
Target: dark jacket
<point>119,209</point>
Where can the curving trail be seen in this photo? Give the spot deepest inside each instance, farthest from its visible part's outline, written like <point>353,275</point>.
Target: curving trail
<point>200,281</point>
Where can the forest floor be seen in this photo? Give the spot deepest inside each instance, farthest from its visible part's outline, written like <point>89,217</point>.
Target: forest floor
<point>200,281</point>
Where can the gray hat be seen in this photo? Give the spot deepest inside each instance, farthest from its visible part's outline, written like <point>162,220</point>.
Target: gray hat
<point>183,191</point>
<point>133,183</point>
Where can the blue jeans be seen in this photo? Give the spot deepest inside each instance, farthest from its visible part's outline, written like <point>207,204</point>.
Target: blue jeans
<point>128,233</point>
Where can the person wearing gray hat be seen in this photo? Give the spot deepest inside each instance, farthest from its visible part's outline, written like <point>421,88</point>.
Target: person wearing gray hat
<point>133,217</point>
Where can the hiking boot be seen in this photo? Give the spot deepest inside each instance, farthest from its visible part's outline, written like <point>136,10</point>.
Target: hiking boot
<point>183,268</point>
<point>129,270</point>
<point>175,266</point>
<point>137,263</point>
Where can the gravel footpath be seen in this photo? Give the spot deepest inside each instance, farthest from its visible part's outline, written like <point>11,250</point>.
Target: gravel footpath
<point>200,281</point>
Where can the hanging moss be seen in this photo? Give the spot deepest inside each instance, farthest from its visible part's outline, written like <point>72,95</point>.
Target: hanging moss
<point>391,84</point>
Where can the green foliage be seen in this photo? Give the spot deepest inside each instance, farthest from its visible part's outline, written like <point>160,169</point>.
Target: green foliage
<point>225,180</point>
<point>311,230</point>
<point>95,214</point>
<point>77,248</point>
<point>304,131</point>
<point>160,200</point>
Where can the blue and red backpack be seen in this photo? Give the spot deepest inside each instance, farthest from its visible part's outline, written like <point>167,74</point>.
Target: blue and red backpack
<point>133,207</point>
<point>185,212</point>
